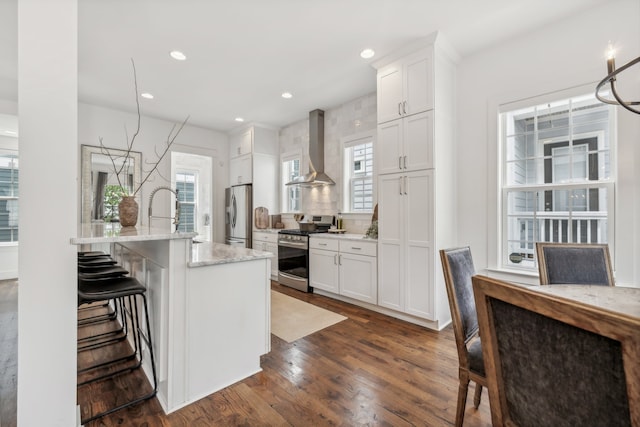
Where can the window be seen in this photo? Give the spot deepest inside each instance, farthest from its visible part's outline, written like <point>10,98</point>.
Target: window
<point>8,196</point>
<point>558,177</point>
<point>186,185</point>
<point>291,193</point>
<point>358,174</point>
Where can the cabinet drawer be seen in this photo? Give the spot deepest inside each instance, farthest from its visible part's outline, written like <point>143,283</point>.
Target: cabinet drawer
<point>326,244</point>
<point>358,247</point>
<point>265,237</point>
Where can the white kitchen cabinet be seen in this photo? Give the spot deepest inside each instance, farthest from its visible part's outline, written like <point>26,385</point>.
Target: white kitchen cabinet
<point>405,86</point>
<point>405,243</point>
<point>253,159</point>
<point>241,143</point>
<point>416,196</point>
<point>405,144</point>
<point>344,267</point>
<point>268,242</point>
<point>241,170</point>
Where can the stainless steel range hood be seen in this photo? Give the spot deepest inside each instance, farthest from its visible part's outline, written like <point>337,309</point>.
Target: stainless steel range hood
<point>316,175</point>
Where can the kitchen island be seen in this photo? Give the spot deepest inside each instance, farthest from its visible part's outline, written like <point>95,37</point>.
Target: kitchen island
<point>209,305</point>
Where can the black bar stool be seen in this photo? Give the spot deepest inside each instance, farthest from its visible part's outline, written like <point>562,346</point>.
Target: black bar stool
<point>120,288</point>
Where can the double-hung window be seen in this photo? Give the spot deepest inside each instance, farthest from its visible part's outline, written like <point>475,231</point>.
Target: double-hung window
<point>557,175</point>
<point>186,183</point>
<point>358,174</point>
<point>291,193</point>
<point>8,196</point>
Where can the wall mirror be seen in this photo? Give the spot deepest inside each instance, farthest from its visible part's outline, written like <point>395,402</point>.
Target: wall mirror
<point>99,181</point>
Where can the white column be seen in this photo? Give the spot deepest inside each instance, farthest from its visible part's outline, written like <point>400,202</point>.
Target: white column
<point>48,123</point>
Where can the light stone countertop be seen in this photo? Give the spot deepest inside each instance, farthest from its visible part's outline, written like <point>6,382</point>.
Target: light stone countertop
<point>343,236</point>
<point>208,253</point>
<point>114,232</point>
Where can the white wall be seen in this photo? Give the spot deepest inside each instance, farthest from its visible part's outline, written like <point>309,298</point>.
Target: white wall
<point>95,122</point>
<point>47,315</point>
<point>563,55</point>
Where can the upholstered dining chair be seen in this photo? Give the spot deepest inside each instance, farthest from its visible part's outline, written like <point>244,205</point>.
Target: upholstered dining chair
<point>457,267</point>
<point>574,263</point>
<point>551,361</point>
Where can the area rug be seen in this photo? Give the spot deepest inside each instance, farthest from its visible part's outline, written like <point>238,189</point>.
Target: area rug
<point>292,319</point>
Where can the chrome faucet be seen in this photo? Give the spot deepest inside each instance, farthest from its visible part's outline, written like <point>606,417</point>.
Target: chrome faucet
<point>176,218</point>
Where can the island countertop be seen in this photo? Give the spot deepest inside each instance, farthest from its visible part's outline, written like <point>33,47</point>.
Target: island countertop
<point>208,253</point>
<point>114,232</point>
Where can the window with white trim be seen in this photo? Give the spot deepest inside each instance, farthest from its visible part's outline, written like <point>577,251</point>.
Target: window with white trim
<point>290,193</point>
<point>187,185</point>
<point>8,196</point>
<point>557,175</point>
<point>358,174</point>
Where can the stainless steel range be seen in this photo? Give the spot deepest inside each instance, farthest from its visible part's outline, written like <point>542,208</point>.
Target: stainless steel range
<point>293,253</point>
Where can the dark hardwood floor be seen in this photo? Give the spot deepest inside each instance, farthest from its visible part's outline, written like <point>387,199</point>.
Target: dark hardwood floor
<point>367,370</point>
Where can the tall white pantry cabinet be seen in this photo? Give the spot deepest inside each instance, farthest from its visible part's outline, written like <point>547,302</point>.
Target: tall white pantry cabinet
<point>416,178</point>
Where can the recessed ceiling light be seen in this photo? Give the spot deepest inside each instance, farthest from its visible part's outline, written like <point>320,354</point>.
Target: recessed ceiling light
<point>146,95</point>
<point>177,55</point>
<point>239,119</point>
<point>367,53</point>
<point>287,95</point>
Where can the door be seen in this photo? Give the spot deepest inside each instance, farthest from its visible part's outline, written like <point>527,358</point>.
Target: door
<point>388,147</point>
<point>390,93</point>
<point>418,83</point>
<point>323,269</point>
<point>418,141</point>
<point>419,251</point>
<point>358,278</point>
<point>390,235</point>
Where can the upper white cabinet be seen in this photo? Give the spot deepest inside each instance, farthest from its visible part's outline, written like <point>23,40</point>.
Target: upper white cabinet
<point>405,86</point>
<point>415,158</point>
<point>241,143</point>
<point>405,144</point>
<point>241,170</point>
<point>253,159</point>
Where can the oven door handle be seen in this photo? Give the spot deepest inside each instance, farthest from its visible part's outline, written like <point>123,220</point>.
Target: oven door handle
<point>291,276</point>
<point>293,245</point>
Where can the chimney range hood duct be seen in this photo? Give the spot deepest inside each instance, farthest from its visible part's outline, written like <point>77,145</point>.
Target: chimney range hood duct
<point>316,175</point>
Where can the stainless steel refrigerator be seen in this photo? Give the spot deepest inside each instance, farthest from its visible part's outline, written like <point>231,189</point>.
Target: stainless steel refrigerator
<point>238,209</point>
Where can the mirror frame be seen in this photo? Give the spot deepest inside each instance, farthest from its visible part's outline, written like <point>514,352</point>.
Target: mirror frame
<point>86,170</point>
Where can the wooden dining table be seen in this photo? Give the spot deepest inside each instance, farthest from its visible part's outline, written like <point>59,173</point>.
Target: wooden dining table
<point>617,299</point>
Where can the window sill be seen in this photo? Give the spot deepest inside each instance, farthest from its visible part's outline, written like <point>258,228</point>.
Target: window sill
<point>8,244</point>
<point>517,276</point>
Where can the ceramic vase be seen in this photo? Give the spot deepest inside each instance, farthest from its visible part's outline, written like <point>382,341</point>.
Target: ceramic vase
<point>128,208</point>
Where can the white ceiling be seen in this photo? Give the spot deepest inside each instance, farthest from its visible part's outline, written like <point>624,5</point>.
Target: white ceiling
<point>242,54</point>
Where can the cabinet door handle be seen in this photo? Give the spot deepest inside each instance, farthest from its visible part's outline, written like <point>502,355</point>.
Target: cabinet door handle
<point>404,107</point>
<point>400,185</point>
<point>405,185</point>
<point>322,244</point>
<point>239,151</point>
<point>339,259</point>
<point>335,259</point>
<point>356,248</point>
<point>399,108</point>
<point>399,162</point>
<point>404,162</point>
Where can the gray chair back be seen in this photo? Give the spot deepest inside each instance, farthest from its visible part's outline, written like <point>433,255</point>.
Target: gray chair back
<point>574,263</point>
<point>458,269</point>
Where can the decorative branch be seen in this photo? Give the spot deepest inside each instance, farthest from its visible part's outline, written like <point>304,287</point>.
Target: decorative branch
<point>130,142</point>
